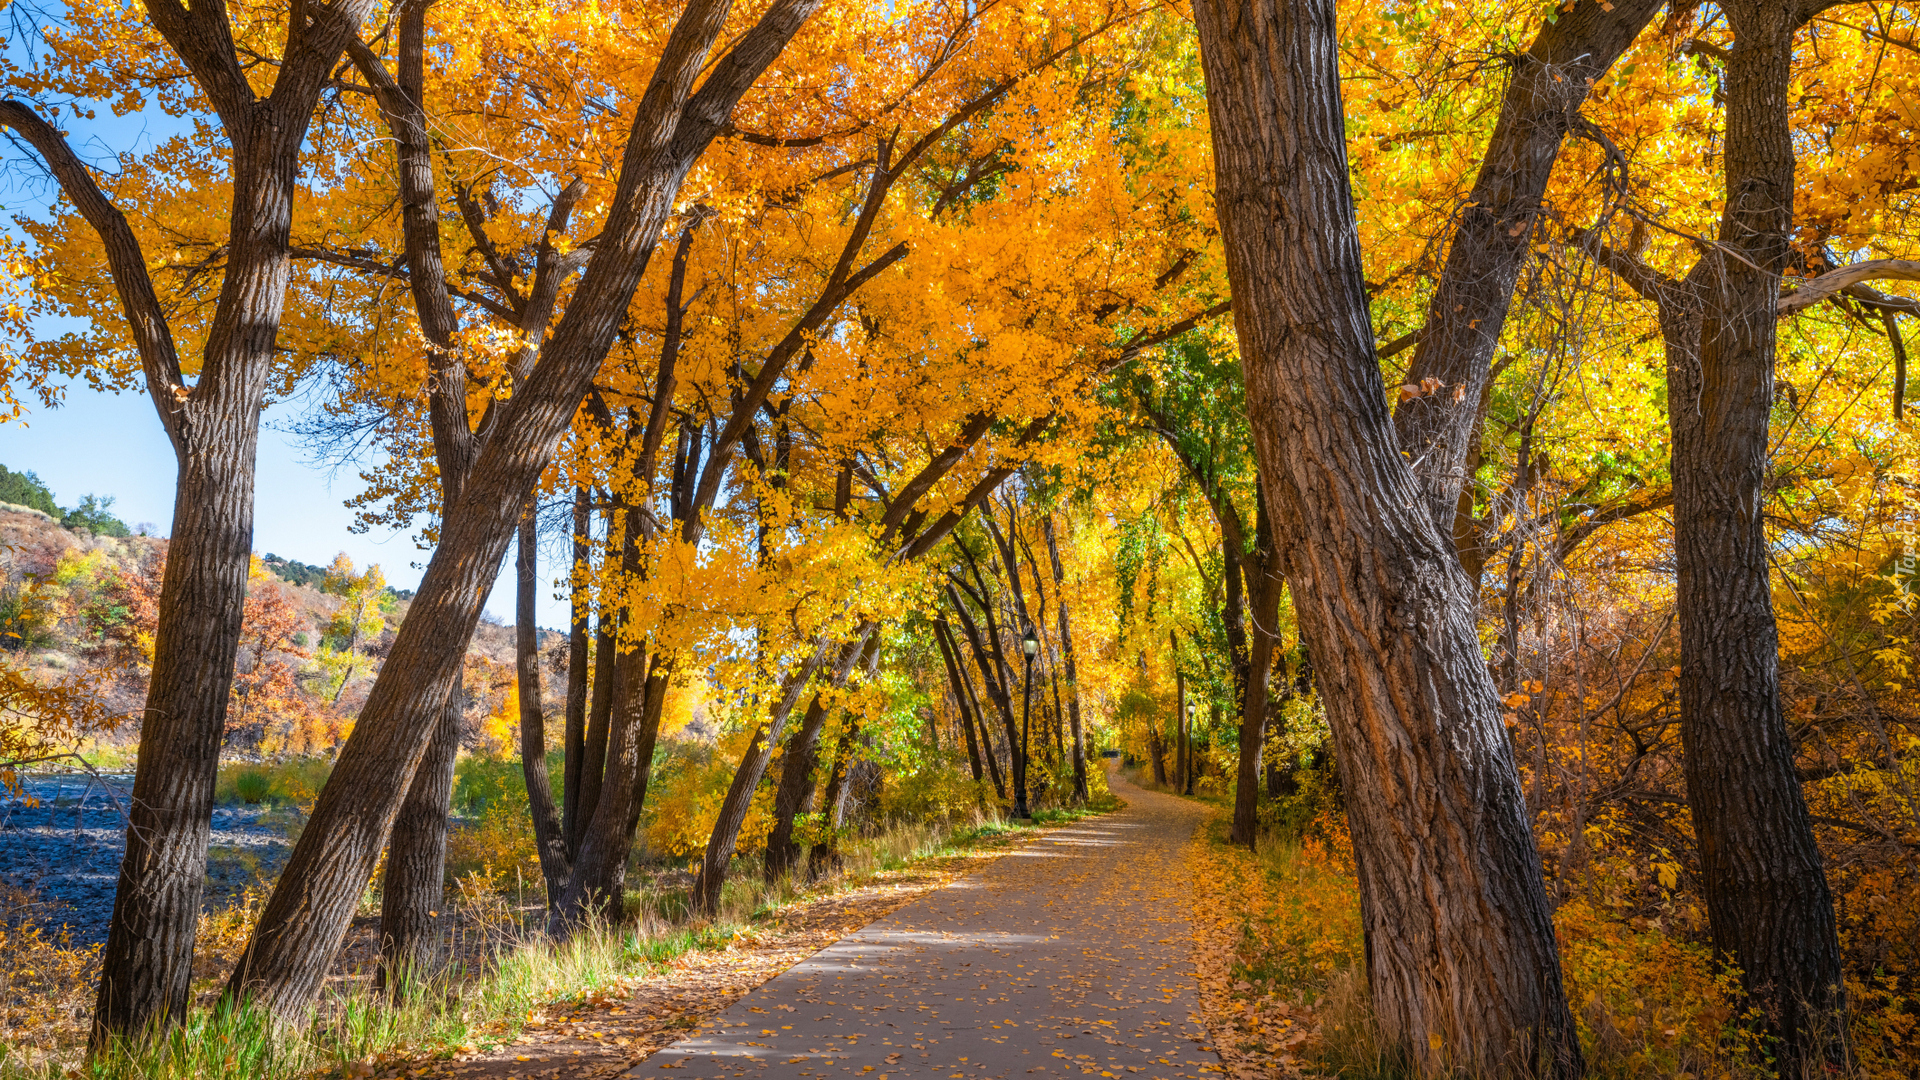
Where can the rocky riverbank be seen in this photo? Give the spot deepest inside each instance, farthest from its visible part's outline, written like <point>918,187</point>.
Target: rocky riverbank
<point>62,837</point>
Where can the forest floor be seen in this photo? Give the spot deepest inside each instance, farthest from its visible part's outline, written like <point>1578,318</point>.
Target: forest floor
<point>1064,954</point>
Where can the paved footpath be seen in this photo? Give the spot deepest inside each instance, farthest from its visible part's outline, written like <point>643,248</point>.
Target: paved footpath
<point>1067,957</point>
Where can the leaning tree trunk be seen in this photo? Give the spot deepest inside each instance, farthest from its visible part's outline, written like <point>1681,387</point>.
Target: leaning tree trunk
<point>753,766</point>
<point>412,889</point>
<point>1768,903</point>
<point>825,853</point>
<point>1460,947</point>
<point>799,760</point>
<point>1494,238</point>
<point>596,885</point>
<point>302,925</point>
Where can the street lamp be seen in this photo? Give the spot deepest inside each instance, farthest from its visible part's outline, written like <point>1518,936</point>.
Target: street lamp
<point>1030,645</point>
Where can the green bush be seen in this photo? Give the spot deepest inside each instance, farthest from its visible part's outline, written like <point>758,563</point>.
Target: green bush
<point>251,785</point>
<point>295,782</point>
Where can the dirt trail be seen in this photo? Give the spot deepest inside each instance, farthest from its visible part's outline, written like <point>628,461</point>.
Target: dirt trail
<point>1067,957</point>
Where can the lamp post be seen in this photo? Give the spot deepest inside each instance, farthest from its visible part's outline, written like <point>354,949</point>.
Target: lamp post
<point>1030,645</point>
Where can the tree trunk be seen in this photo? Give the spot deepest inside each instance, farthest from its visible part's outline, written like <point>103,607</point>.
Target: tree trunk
<point>1263,592</point>
<point>1494,238</point>
<point>1766,890</point>
<point>979,714</point>
<point>943,637</point>
<point>214,427</point>
<point>593,750</point>
<point>147,964</point>
<point>1180,747</point>
<point>797,763</point>
<point>753,766</point>
<point>994,673</point>
<point>1157,754</point>
<point>596,887</point>
<point>1080,790</point>
<point>575,746</point>
<point>825,853</point>
<point>1277,778</point>
<point>304,920</point>
<point>413,889</point>
<point>547,834</point>
<point>802,756</point>
<point>1460,947</point>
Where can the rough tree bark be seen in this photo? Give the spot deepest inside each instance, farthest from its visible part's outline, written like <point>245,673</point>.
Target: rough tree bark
<point>213,425</point>
<point>1494,238</point>
<point>1768,903</point>
<point>412,889</point>
<point>303,922</point>
<point>418,842</point>
<point>1460,946</point>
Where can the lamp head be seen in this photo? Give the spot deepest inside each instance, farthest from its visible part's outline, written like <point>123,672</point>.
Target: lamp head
<point>1030,643</point>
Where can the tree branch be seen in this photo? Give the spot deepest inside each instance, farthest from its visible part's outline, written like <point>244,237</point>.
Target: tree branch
<point>152,337</point>
<point>1837,281</point>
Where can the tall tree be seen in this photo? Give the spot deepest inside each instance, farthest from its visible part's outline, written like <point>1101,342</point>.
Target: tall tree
<point>1768,903</point>
<point>213,425</point>
<point>1494,238</point>
<point>1460,945</point>
<point>302,924</point>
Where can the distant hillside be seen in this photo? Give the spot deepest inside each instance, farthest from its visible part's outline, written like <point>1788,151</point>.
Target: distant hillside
<point>92,513</point>
<point>296,572</point>
<point>75,603</point>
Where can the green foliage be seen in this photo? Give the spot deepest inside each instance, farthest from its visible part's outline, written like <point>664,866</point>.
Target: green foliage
<point>92,515</point>
<point>294,782</point>
<point>26,489</point>
<point>480,782</point>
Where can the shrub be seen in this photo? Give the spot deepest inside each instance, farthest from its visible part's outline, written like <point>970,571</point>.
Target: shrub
<point>295,782</point>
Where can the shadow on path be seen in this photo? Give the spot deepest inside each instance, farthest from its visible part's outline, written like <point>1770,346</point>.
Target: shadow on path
<point>1068,957</point>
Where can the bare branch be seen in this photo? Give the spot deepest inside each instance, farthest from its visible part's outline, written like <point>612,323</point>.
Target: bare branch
<point>1836,281</point>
